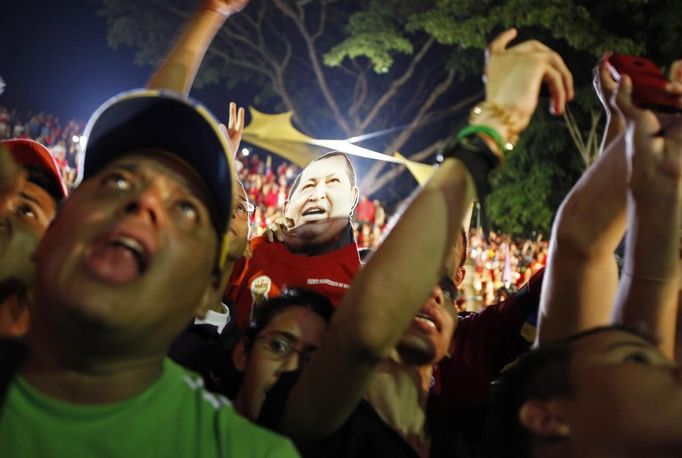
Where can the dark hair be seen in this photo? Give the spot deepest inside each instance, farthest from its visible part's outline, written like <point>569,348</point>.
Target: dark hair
<point>542,374</point>
<point>38,177</point>
<point>349,169</point>
<point>291,297</point>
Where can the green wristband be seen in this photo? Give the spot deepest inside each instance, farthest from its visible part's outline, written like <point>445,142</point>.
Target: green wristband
<point>487,130</point>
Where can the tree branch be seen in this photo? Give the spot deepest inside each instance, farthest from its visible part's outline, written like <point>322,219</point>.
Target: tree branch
<point>396,85</point>
<point>422,112</point>
<point>317,68</point>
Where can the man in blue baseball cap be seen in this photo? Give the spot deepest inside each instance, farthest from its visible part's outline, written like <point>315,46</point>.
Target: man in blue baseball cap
<point>135,252</point>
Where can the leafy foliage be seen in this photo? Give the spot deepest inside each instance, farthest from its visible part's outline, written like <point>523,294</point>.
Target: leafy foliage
<point>535,179</point>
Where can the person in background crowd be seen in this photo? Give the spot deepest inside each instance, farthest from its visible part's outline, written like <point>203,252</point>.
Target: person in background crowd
<point>286,331</point>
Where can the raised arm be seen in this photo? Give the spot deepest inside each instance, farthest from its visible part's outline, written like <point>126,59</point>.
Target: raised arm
<point>581,278</point>
<point>648,297</point>
<point>581,281</point>
<point>177,72</point>
<point>393,286</point>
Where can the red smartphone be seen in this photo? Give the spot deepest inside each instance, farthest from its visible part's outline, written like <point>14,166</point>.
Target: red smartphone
<point>648,82</point>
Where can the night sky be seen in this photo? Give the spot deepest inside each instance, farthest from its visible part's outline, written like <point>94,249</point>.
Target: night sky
<point>54,57</point>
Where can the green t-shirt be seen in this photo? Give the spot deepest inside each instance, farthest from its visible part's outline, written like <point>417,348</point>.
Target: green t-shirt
<point>174,417</point>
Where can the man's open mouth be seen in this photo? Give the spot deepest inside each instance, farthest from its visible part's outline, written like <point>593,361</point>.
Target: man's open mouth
<point>138,251</point>
<point>118,258</point>
<point>314,211</point>
<point>426,319</point>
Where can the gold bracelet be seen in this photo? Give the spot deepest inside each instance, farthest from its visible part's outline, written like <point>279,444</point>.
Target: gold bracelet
<point>503,115</point>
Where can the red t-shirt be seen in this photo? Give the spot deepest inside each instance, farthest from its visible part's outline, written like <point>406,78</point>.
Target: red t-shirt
<point>272,267</point>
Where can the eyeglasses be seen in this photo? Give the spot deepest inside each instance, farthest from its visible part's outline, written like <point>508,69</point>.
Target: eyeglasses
<point>448,287</point>
<point>280,347</point>
<point>244,208</point>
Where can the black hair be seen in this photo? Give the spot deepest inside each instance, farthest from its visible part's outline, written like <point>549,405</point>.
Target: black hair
<point>542,374</point>
<point>349,169</point>
<point>37,176</point>
<point>291,297</point>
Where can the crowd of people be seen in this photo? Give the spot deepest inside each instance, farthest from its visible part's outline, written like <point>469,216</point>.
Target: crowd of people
<point>62,139</point>
<point>140,317</point>
<point>499,264</point>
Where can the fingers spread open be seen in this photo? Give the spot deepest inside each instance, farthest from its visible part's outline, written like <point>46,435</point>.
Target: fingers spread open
<point>232,118</point>
<point>240,119</point>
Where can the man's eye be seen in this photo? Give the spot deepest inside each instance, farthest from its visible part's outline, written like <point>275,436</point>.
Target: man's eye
<point>117,181</point>
<point>638,358</point>
<point>26,211</point>
<point>307,186</point>
<point>188,210</point>
<point>334,180</point>
<point>240,209</point>
<point>279,346</point>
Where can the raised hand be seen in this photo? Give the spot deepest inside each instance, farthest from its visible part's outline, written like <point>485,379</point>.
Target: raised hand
<point>654,142</point>
<point>235,127</point>
<point>514,76</point>
<point>226,7</point>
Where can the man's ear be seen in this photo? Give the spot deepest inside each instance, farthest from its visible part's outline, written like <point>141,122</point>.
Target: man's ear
<point>544,419</point>
<point>212,296</point>
<point>459,276</point>
<point>240,355</point>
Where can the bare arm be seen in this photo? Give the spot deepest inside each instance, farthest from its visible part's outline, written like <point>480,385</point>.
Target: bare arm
<point>582,277</point>
<point>179,69</point>
<point>393,286</point>
<point>581,281</point>
<point>177,72</point>
<point>648,298</point>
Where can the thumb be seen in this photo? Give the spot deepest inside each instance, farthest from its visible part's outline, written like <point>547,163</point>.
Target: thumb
<point>622,99</point>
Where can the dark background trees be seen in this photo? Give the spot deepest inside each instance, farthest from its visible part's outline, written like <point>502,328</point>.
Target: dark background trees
<point>403,74</point>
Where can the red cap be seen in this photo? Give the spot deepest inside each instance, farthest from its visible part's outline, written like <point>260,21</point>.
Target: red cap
<point>31,153</point>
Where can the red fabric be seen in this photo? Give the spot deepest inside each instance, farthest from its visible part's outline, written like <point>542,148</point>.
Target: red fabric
<point>272,267</point>
<point>364,212</point>
<point>270,199</point>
